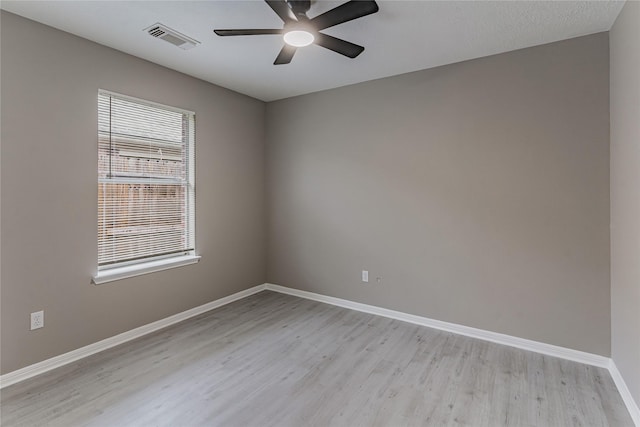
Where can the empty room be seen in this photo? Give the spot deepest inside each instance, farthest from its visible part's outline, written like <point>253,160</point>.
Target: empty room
<point>320,213</point>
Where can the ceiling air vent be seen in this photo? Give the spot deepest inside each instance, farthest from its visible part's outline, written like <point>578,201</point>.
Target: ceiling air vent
<point>165,33</point>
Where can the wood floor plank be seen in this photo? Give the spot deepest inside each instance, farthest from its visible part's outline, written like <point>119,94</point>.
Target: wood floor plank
<point>277,360</point>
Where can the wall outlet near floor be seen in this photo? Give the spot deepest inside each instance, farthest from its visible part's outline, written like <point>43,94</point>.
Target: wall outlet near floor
<point>37,320</point>
<point>365,276</point>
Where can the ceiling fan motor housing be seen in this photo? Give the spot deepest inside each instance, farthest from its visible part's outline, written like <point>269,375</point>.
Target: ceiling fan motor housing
<point>299,7</point>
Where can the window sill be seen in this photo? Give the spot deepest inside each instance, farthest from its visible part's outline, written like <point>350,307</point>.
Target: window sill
<point>145,268</point>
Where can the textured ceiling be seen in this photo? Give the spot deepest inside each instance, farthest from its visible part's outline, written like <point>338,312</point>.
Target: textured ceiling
<point>403,36</point>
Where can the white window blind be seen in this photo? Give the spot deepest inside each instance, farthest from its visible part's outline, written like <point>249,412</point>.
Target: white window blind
<point>146,200</point>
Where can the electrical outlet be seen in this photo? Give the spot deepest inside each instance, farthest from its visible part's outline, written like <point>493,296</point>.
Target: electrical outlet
<point>365,276</point>
<point>37,320</point>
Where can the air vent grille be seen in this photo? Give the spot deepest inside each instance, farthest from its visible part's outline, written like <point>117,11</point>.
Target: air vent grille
<point>162,32</point>
<point>156,32</point>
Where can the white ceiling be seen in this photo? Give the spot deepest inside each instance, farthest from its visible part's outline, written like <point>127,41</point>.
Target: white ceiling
<point>403,36</point>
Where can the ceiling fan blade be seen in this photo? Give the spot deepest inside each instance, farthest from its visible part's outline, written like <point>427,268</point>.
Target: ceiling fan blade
<point>285,55</point>
<point>340,46</point>
<point>248,32</point>
<point>281,9</point>
<point>346,12</point>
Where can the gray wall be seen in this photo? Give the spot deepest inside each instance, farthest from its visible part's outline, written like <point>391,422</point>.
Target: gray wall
<point>478,192</point>
<point>49,82</point>
<point>625,195</point>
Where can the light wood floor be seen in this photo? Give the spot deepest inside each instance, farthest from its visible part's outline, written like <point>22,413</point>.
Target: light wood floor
<point>277,360</point>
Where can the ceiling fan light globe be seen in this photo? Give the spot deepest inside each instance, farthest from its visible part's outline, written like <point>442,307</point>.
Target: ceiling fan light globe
<point>298,38</point>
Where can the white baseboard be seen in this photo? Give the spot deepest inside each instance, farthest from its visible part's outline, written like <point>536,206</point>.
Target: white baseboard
<point>521,343</point>
<point>63,359</point>
<point>632,405</point>
<point>525,344</point>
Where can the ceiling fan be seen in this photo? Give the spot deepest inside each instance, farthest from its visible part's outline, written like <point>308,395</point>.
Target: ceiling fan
<point>299,30</point>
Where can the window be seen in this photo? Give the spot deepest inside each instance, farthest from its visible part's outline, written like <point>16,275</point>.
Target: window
<point>146,197</point>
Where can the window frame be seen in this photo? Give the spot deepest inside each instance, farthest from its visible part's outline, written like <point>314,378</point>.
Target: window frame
<point>150,264</point>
